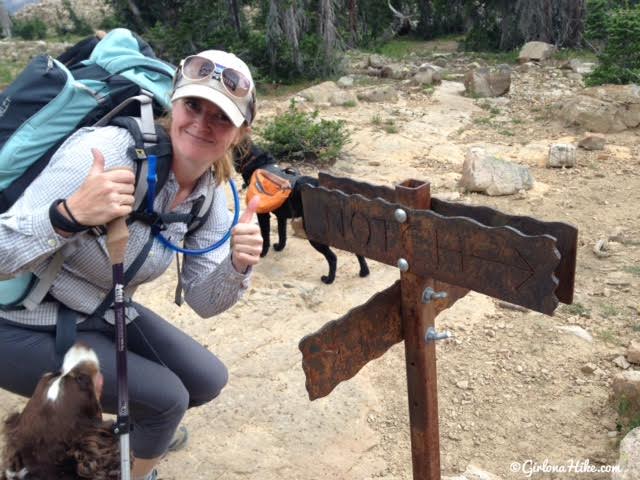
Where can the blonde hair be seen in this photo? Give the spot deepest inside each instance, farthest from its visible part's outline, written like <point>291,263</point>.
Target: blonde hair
<point>223,169</point>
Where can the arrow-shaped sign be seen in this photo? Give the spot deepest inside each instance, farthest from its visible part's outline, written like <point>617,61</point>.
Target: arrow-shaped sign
<point>498,261</point>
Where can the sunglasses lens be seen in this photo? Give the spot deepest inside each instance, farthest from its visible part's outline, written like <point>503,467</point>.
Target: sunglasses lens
<point>235,82</point>
<point>197,68</point>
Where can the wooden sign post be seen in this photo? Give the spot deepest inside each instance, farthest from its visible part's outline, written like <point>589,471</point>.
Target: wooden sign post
<point>443,250</point>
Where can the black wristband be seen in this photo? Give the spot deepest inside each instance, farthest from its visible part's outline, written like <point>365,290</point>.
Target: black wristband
<point>59,221</point>
<point>66,209</point>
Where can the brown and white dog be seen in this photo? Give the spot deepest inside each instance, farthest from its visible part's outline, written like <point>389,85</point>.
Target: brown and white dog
<point>60,434</point>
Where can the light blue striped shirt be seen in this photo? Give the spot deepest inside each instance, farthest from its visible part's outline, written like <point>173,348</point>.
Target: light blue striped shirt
<point>28,240</point>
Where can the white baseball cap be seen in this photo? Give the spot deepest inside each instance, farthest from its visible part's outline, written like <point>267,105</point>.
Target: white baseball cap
<point>223,79</point>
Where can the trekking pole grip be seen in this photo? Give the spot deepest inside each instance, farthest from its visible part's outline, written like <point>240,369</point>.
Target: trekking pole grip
<point>117,237</point>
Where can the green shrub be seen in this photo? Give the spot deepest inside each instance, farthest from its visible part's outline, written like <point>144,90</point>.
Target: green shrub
<point>595,27</point>
<point>620,59</point>
<point>29,29</point>
<point>79,25</point>
<point>297,135</point>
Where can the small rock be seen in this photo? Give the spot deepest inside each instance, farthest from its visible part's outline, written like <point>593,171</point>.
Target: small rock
<point>592,142</point>
<point>600,248</point>
<point>485,173</point>
<point>588,368</point>
<point>476,473</point>
<point>562,155</point>
<point>633,352</point>
<point>463,384</point>
<point>512,306</point>
<point>576,331</point>
<point>621,362</point>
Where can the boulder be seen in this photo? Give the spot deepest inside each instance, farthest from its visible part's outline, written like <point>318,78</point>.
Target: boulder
<point>633,352</point>
<point>485,82</point>
<point>343,97</point>
<point>536,51</point>
<point>428,76</point>
<point>592,142</point>
<point>603,109</point>
<point>377,61</point>
<point>485,173</point>
<point>320,93</point>
<point>346,81</point>
<point>629,462</point>
<point>583,68</point>
<point>562,155</point>
<point>396,71</point>
<point>387,93</point>
<point>626,393</point>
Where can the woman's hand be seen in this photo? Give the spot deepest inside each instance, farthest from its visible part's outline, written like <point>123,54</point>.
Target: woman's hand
<point>246,240</point>
<point>104,196</point>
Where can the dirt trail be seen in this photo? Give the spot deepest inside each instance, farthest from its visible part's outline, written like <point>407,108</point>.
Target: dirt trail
<point>511,386</point>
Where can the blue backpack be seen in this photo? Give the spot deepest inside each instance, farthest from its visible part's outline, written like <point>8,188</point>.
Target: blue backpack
<point>116,80</point>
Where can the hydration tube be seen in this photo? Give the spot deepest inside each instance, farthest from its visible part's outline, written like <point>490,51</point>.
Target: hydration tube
<point>152,180</point>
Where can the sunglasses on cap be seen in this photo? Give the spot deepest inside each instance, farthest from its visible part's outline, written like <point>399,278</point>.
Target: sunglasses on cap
<point>196,68</point>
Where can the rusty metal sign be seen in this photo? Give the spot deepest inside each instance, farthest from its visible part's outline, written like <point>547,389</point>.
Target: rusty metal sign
<point>339,350</point>
<point>443,250</point>
<point>497,260</point>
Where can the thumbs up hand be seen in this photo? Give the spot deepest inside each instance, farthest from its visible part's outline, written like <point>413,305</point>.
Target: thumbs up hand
<point>104,195</point>
<point>246,240</point>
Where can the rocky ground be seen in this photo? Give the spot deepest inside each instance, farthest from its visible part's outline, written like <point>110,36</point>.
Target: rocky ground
<point>513,386</point>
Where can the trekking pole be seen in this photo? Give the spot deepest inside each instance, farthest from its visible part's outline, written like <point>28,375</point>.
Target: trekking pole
<point>117,237</point>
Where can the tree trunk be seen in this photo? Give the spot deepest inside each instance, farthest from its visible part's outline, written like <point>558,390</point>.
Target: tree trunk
<point>135,11</point>
<point>5,21</point>
<point>426,23</point>
<point>353,22</point>
<point>329,34</point>
<point>560,22</point>
<point>274,33</point>
<point>292,31</point>
<point>235,15</point>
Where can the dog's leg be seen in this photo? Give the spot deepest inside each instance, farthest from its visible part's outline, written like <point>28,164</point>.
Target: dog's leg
<point>332,260</point>
<point>282,233</point>
<point>364,268</point>
<point>265,231</point>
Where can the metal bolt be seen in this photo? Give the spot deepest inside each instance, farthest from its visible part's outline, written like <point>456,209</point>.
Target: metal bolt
<point>430,294</point>
<point>433,335</point>
<point>403,265</point>
<point>400,215</point>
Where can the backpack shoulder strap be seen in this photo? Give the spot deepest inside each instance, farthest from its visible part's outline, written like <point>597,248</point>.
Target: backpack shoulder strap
<point>42,286</point>
<point>200,210</point>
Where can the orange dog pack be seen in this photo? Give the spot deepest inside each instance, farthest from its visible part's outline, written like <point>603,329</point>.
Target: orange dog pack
<point>271,189</point>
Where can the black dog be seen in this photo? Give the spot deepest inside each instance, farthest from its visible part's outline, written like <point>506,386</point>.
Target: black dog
<point>248,159</point>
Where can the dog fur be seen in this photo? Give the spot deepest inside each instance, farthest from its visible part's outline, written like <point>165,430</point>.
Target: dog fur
<point>60,434</point>
<point>247,159</point>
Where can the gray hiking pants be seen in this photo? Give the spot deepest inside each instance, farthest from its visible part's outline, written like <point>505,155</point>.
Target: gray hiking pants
<point>168,371</point>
